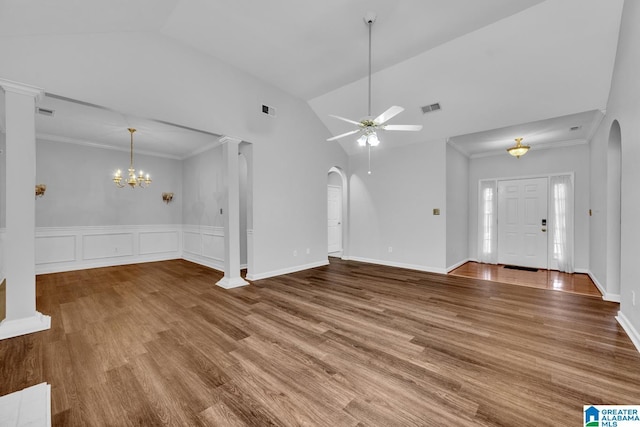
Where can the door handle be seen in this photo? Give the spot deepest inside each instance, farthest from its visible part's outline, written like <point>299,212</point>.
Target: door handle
<point>544,230</point>
<point>339,223</point>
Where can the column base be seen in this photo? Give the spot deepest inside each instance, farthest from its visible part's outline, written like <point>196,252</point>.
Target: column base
<point>230,283</point>
<point>27,325</point>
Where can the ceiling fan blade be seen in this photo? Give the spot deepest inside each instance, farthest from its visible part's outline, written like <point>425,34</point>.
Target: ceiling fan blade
<point>345,120</point>
<point>388,115</point>
<point>343,135</point>
<point>403,127</point>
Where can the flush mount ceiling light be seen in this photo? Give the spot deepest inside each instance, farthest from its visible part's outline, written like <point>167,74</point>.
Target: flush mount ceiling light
<point>518,149</point>
<point>133,181</point>
<point>368,126</point>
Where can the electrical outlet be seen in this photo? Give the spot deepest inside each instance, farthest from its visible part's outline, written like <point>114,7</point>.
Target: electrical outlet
<point>390,249</point>
<point>295,252</point>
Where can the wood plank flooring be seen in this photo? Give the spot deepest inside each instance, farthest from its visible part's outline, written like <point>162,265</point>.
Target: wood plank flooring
<point>349,344</point>
<point>577,283</point>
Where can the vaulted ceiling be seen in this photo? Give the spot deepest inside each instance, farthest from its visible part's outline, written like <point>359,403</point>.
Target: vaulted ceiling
<point>495,64</point>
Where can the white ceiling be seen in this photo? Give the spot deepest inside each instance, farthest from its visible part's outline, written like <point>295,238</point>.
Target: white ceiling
<point>572,129</point>
<point>85,124</point>
<point>493,64</point>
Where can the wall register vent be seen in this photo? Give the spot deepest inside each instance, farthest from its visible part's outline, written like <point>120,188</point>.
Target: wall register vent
<point>429,108</point>
<point>268,110</point>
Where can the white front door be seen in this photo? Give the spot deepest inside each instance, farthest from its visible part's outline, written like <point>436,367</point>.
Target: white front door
<point>334,216</point>
<point>522,222</point>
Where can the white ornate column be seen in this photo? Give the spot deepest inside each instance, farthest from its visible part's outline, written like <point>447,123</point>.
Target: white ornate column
<point>21,315</point>
<point>231,215</point>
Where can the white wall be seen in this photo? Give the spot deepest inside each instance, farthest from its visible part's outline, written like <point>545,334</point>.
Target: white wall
<point>624,106</point>
<point>203,197</point>
<point>457,208</point>
<point>537,163</point>
<point>203,189</point>
<point>129,73</point>
<point>3,181</point>
<point>393,206</point>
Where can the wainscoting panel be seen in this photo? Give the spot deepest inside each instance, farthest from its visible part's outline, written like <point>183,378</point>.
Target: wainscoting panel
<point>192,242</point>
<point>204,245</point>
<point>76,248</point>
<point>158,242</point>
<point>107,245</point>
<point>213,245</point>
<point>53,249</point>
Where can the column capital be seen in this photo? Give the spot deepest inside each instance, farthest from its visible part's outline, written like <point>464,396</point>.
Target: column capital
<point>21,88</point>
<point>224,139</point>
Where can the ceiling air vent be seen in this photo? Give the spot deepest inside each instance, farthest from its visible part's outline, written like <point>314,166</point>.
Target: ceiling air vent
<point>268,110</point>
<point>574,128</point>
<point>429,108</point>
<point>45,111</point>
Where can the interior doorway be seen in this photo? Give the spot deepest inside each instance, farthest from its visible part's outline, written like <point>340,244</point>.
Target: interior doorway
<point>614,231</point>
<point>336,212</point>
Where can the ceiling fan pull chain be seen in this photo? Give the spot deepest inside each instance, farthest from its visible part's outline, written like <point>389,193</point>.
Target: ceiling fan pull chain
<point>369,146</point>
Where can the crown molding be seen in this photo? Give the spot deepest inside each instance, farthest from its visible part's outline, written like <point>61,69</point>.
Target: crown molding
<point>55,138</point>
<point>21,88</point>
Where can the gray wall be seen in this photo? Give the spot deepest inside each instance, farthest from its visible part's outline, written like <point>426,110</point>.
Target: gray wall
<point>203,189</point>
<point>457,207</point>
<point>80,191</point>
<point>624,107</point>
<point>3,181</point>
<point>393,206</point>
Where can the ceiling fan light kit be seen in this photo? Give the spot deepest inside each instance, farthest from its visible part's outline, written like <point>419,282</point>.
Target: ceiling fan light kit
<point>369,126</point>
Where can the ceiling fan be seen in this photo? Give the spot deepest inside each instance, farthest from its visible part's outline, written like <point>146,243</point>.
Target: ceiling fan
<point>368,126</point>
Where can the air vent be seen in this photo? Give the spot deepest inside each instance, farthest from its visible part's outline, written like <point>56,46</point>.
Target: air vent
<point>429,108</point>
<point>574,128</point>
<point>268,110</point>
<point>45,111</point>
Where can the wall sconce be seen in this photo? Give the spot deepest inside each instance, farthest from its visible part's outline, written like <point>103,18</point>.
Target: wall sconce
<point>167,197</point>
<point>40,189</point>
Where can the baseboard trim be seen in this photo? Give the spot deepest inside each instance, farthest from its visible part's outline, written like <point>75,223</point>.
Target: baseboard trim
<point>27,325</point>
<point>105,262</point>
<point>287,270</point>
<point>399,265</point>
<point>629,329</point>
<point>207,262</point>
<point>458,264</point>
<point>606,296</point>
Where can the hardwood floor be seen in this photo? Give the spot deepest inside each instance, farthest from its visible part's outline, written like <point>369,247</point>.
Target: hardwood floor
<point>343,345</point>
<point>576,283</point>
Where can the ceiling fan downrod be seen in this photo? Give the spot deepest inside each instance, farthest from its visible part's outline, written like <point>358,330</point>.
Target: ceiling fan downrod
<point>369,18</point>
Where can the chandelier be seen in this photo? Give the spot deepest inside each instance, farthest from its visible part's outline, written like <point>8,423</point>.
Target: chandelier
<point>518,149</point>
<point>132,180</point>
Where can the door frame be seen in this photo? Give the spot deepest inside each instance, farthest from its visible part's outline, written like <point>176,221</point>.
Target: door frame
<point>340,220</point>
<point>345,209</point>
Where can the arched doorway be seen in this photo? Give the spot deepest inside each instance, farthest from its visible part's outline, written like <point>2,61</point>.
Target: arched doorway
<point>614,167</point>
<point>336,212</point>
